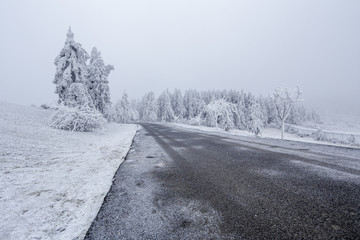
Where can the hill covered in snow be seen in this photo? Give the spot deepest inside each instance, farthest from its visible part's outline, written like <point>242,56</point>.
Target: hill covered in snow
<point>53,182</point>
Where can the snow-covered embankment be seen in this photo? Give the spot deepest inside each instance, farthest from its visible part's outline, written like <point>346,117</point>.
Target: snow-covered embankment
<point>53,182</point>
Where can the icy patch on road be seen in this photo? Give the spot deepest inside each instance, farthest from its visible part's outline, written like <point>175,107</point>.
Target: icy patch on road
<point>52,182</point>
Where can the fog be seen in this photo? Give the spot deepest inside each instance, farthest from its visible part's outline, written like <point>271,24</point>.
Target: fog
<point>153,45</point>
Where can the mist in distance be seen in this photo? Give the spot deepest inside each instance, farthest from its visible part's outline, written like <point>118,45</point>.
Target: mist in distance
<point>153,45</point>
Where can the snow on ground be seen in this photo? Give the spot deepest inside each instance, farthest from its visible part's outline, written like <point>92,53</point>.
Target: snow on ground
<point>273,133</point>
<point>53,182</point>
<point>339,123</point>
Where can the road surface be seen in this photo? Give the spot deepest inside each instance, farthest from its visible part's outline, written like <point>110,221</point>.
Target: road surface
<point>183,184</point>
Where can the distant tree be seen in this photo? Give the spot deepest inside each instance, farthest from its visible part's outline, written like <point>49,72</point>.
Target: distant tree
<point>177,104</point>
<point>313,117</point>
<point>284,99</point>
<point>165,111</point>
<point>220,113</point>
<point>98,83</point>
<point>297,115</point>
<point>269,111</point>
<point>198,106</point>
<point>254,117</point>
<point>241,110</point>
<point>193,103</point>
<point>148,110</point>
<point>71,69</point>
<point>122,112</point>
<point>134,112</point>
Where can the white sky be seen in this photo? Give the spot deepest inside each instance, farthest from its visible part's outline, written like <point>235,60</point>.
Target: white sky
<point>252,45</point>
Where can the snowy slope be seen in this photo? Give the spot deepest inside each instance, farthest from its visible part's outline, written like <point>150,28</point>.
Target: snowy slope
<point>52,182</point>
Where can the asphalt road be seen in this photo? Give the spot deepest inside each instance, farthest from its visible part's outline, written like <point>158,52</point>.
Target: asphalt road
<point>181,184</point>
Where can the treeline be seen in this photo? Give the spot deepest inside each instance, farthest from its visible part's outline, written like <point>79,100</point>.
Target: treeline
<point>226,109</point>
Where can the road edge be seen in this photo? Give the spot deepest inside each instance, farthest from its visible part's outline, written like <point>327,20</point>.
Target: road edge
<point>122,160</point>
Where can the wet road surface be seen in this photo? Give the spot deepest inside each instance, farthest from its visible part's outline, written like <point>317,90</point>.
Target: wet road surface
<point>181,184</point>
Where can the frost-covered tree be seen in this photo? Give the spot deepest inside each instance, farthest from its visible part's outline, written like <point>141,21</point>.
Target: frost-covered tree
<point>165,111</point>
<point>71,69</point>
<point>241,110</point>
<point>134,112</point>
<point>98,83</point>
<point>78,112</point>
<point>78,97</point>
<point>198,105</point>
<point>122,112</point>
<point>193,104</point>
<point>313,116</point>
<point>269,111</point>
<point>254,117</point>
<point>284,99</point>
<point>177,104</point>
<point>297,115</point>
<point>148,110</point>
<point>220,113</point>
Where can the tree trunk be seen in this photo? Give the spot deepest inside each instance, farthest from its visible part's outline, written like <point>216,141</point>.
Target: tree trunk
<point>282,129</point>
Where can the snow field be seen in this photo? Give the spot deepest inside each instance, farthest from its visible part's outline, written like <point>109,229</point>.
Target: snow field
<point>53,182</point>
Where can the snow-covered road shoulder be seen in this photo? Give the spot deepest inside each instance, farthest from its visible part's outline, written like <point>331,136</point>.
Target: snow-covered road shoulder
<point>267,133</point>
<point>53,182</point>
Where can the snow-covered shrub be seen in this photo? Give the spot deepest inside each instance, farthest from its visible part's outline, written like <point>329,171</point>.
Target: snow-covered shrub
<point>75,119</point>
<point>195,121</point>
<point>351,140</point>
<point>319,135</point>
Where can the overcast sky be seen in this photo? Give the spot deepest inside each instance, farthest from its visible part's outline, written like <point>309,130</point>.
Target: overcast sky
<point>153,45</point>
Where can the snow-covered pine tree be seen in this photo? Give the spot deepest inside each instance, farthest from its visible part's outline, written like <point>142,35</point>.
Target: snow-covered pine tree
<point>297,115</point>
<point>79,97</point>
<point>241,110</point>
<point>148,108</point>
<point>193,103</point>
<point>269,112</point>
<point>98,83</point>
<point>254,118</point>
<point>165,111</point>
<point>78,112</point>
<point>134,112</point>
<point>70,69</point>
<point>177,104</point>
<point>122,110</point>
